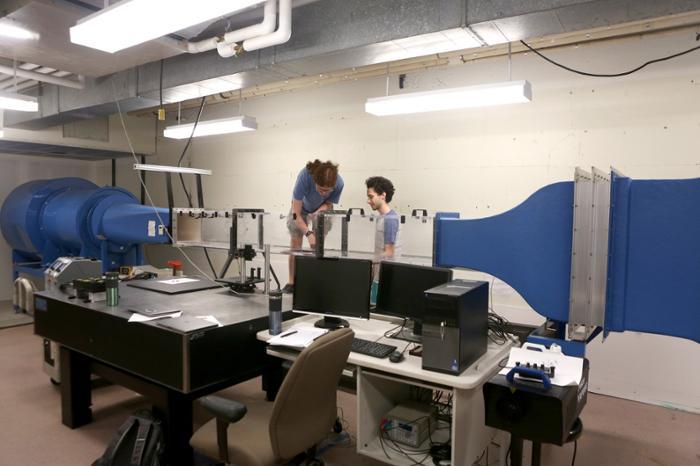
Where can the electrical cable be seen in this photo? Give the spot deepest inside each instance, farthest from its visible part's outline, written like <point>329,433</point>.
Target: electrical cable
<point>391,332</point>
<point>148,194</point>
<point>573,458</point>
<point>179,163</point>
<point>608,75</point>
<point>187,146</point>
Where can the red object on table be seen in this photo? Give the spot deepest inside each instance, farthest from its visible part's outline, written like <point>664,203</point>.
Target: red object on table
<point>175,265</point>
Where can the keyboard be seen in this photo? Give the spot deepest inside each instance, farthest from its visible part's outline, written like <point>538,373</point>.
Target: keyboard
<point>371,348</point>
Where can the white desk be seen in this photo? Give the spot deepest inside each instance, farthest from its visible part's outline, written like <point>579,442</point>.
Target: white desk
<point>381,385</point>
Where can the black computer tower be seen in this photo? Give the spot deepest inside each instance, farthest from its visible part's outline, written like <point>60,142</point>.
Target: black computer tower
<point>455,325</point>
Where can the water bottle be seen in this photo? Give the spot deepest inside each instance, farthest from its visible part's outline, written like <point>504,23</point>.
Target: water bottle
<point>275,307</point>
<point>112,288</point>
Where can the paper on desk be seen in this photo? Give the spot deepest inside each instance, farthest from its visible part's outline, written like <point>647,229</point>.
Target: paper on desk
<point>136,317</point>
<point>211,319</point>
<point>568,370</point>
<point>298,336</point>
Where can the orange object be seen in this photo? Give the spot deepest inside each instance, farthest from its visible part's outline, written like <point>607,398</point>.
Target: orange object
<point>176,266</point>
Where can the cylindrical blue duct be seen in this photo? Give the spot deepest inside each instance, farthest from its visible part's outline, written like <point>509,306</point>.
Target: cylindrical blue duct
<point>72,216</point>
<point>21,213</point>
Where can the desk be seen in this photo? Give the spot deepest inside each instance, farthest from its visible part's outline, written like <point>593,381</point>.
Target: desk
<point>381,385</point>
<point>169,367</point>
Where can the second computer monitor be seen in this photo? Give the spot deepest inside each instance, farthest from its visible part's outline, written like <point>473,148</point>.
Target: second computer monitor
<point>333,287</point>
<point>401,292</point>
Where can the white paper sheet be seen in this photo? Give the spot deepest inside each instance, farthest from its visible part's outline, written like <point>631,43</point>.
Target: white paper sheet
<point>298,336</point>
<point>136,317</point>
<point>211,319</point>
<point>178,281</point>
<point>568,370</point>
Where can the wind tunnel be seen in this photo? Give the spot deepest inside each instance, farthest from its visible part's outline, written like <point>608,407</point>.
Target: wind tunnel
<point>45,219</point>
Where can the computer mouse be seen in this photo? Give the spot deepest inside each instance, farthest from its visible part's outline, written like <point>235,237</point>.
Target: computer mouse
<point>396,356</point>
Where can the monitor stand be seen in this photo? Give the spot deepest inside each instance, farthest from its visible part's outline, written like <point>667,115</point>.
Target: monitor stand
<point>332,323</point>
<point>414,334</point>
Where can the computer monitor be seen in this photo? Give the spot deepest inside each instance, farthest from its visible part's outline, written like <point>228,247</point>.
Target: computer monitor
<point>401,293</point>
<point>334,288</point>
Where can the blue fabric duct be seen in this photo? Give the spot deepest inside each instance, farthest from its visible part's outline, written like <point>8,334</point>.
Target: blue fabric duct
<point>528,247</point>
<point>654,271</point>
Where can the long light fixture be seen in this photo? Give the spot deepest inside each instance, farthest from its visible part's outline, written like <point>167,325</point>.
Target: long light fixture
<point>509,92</point>
<point>19,102</point>
<point>15,30</point>
<point>207,128</point>
<point>131,22</point>
<point>144,167</point>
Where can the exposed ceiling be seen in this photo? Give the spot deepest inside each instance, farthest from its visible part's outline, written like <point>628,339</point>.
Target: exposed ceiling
<point>328,36</point>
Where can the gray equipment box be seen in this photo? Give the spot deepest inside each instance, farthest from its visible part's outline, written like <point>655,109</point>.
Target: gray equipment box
<point>455,326</point>
<point>411,423</point>
<point>66,269</point>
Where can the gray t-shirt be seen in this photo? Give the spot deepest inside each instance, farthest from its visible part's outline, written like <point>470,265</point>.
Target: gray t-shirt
<point>387,232</point>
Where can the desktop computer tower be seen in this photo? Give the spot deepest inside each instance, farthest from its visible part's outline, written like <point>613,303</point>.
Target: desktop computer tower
<point>455,325</point>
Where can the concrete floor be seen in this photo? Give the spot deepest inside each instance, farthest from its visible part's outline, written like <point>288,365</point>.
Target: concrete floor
<point>616,432</point>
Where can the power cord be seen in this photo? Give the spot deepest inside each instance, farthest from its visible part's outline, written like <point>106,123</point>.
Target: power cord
<point>145,189</point>
<point>610,75</point>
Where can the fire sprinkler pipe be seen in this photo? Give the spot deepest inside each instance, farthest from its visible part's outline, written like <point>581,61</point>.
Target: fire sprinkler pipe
<point>228,47</point>
<point>280,36</point>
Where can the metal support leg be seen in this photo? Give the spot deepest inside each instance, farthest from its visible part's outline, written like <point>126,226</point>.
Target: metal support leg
<point>75,389</point>
<point>536,453</point>
<point>516,451</point>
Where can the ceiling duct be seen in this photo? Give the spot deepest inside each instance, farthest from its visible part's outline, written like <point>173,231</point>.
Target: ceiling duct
<point>336,34</point>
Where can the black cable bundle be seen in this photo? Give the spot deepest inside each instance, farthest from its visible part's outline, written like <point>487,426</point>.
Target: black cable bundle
<point>498,328</point>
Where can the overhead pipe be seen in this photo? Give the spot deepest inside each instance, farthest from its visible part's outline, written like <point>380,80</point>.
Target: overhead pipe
<point>229,47</point>
<point>189,47</point>
<point>280,36</point>
<point>47,78</point>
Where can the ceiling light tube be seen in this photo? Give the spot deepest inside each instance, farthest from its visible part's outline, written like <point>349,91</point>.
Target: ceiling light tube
<point>16,30</point>
<point>144,167</point>
<point>131,22</point>
<point>19,102</point>
<point>509,92</point>
<point>207,128</point>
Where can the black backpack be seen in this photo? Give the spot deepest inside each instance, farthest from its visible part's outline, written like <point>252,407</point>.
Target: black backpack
<point>138,442</point>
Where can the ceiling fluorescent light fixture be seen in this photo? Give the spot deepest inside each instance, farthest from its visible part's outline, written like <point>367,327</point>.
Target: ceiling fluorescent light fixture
<point>14,30</point>
<point>131,22</point>
<point>208,128</point>
<point>509,92</point>
<point>19,102</point>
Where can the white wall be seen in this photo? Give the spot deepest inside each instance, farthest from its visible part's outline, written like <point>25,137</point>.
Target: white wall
<point>482,162</point>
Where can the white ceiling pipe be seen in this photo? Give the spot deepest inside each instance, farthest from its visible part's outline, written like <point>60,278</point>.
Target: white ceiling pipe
<point>280,36</point>
<point>189,47</point>
<point>47,78</point>
<point>21,85</point>
<point>227,48</point>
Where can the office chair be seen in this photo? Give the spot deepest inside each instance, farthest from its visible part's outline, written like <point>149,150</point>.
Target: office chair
<point>278,432</point>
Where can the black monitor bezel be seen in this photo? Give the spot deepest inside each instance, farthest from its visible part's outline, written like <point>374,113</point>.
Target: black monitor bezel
<point>363,314</point>
<point>403,314</point>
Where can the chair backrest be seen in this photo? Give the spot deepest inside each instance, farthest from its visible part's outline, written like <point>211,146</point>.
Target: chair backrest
<point>305,407</point>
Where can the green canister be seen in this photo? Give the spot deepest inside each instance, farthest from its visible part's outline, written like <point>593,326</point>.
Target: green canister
<point>112,288</point>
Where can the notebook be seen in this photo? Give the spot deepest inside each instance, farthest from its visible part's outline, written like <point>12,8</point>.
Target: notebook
<point>186,324</point>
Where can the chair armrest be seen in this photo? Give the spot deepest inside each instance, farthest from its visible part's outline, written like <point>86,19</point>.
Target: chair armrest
<point>224,409</point>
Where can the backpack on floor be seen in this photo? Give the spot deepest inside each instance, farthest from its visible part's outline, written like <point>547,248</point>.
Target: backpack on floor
<point>138,442</point>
